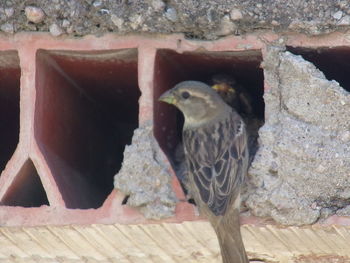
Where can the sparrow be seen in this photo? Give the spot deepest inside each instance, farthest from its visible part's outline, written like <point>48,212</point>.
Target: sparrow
<point>215,144</point>
<point>233,93</point>
<point>238,98</point>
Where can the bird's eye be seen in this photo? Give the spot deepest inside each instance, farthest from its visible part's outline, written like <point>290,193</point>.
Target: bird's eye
<point>185,95</point>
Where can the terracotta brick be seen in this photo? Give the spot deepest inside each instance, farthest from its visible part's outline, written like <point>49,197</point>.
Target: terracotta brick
<point>63,99</point>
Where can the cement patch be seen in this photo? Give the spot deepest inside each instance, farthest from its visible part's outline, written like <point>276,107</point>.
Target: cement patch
<point>300,173</point>
<point>144,176</point>
<point>197,19</point>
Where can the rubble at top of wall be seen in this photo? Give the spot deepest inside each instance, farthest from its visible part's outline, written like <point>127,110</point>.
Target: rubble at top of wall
<point>197,19</point>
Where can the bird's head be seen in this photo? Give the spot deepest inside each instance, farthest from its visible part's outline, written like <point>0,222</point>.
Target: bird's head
<point>225,85</point>
<point>226,92</point>
<point>224,88</point>
<point>198,102</point>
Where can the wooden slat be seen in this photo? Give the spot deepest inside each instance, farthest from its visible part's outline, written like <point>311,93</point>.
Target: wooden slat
<point>49,242</point>
<point>98,242</point>
<point>145,243</point>
<point>76,243</point>
<point>123,244</point>
<point>168,242</point>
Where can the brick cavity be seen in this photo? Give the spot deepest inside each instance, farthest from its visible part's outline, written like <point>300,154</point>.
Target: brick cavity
<point>172,67</point>
<point>86,112</point>
<point>10,74</point>
<point>26,190</point>
<point>332,61</point>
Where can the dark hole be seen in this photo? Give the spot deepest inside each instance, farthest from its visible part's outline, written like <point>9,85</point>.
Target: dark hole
<point>191,201</point>
<point>257,260</point>
<point>9,105</point>
<point>172,68</point>
<point>125,200</point>
<point>86,112</point>
<point>333,62</point>
<point>27,189</point>
<point>195,35</point>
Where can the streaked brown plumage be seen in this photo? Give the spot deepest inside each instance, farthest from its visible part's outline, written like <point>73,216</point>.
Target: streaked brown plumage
<point>235,95</point>
<point>215,143</point>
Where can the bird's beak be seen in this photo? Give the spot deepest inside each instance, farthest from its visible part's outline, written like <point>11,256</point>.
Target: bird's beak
<point>223,87</point>
<point>168,97</point>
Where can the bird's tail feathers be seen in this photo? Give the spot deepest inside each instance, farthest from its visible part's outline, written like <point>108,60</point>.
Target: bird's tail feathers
<point>230,241</point>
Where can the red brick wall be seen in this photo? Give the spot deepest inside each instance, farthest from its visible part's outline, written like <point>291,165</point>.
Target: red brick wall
<point>55,94</point>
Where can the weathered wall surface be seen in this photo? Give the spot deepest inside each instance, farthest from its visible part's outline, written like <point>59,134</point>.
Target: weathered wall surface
<point>197,19</point>
<point>301,171</point>
<point>299,174</point>
<point>145,177</point>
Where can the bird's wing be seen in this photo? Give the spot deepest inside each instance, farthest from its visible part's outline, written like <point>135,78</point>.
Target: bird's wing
<point>217,158</point>
<point>246,103</point>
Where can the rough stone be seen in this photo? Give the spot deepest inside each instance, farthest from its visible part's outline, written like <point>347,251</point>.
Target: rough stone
<point>301,169</point>
<point>117,21</point>
<point>8,28</point>
<point>274,22</point>
<point>171,14</point>
<point>345,21</point>
<point>197,19</point>
<point>344,211</point>
<point>65,23</point>
<point>55,30</point>
<point>226,26</point>
<point>236,14</point>
<point>144,176</point>
<point>337,15</point>
<point>34,14</point>
<point>97,3</point>
<point>158,5</point>
<point>9,11</point>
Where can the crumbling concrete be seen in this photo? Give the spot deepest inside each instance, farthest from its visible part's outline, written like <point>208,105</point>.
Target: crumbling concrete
<point>301,171</point>
<point>197,19</point>
<point>145,177</point>
<point>299,174</point>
